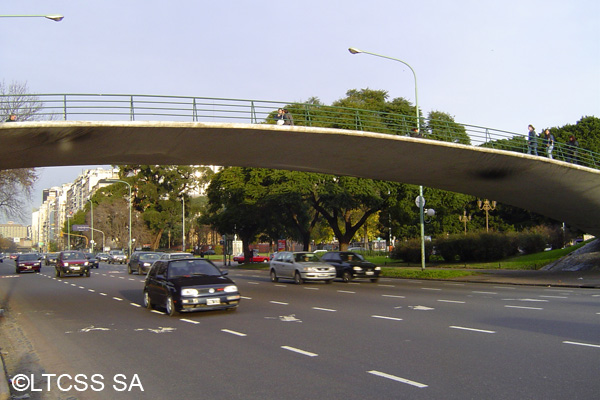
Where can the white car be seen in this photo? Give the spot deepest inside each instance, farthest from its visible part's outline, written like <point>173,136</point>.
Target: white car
<point>301,267</point>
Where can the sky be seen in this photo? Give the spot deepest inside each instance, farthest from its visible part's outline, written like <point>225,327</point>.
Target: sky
<point>497,64</point>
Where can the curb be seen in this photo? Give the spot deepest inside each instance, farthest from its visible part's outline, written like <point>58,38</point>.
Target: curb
<point>4,389</point>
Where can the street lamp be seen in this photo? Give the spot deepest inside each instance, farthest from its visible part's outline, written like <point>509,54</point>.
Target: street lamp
<point>53,17</point>
<point>183,224</point>
<point>92,224</point>
<point>354,50</point>
<point>128,185</point>
<point>464,219</point>
<point>487,206</point>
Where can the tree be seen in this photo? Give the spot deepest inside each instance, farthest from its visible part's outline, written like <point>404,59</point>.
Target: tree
<point>17,184</point>
<point>441,126</point>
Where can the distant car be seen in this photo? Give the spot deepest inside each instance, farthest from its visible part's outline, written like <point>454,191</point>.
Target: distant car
<point>28,262</point>
<point>209,252</point>
<point>102,257</point>
<point>350,266</point>
<point>189,284</point>
<point>72,263</point>
<point>94,263</point>
<point>256,258</point>
<point>141,261</point>
<point>51,258</point>
<point>357,249</point>
<point>116,256</point>
<point>301,267</point>
<point>175,255</point>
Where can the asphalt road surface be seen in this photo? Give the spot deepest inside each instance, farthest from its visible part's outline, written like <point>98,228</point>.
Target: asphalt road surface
<point>393,339</point>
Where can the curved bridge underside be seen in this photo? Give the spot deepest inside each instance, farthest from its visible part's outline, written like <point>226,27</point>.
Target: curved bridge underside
<point>565,192</point>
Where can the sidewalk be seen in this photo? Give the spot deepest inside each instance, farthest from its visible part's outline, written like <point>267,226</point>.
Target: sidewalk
<point>577,279</point>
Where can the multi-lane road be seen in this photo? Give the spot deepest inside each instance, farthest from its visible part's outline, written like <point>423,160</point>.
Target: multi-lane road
<point>388,340</point>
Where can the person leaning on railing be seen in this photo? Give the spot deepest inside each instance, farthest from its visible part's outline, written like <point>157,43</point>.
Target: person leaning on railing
<point>572,148</point>
<point>11,118</point>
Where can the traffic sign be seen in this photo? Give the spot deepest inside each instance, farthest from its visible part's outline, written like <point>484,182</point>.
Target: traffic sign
<point>80,228</point>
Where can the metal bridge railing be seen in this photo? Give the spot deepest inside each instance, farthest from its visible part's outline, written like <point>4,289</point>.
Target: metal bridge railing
<point>97,107</point>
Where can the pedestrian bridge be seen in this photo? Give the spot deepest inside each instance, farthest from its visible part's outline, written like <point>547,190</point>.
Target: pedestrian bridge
<point>562,191</point>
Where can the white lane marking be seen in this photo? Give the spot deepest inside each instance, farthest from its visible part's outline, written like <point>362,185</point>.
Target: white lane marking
<point>393,296</point>
<point>525,308</point>
<point>554,297</point>
<point>278,302</point>
<point>103,294</point>
<point>306,353</point>
<point>157,312</point>
<point>233,332</point>
<point>191,321</point>
<point>311,288</point>
<point>532,300</point>
<point>246,298</point>
<point>91,290</point>
<point>582,344</point>
<point>481,292</point>
<point>384,317</point>
<point>427,288</point>
<point>323,309</point>
<point>134,304</point>
<point>380,285</point>
<point>131,279</point>
<point>397,379</point>
<point>451,301</point>
<point>472,329</point>
<point>345,291</point>
<point>279,285</point>
<point>253,283</point>
<point>117,298</point>
<point>81,287</point>
<point>72,284</point>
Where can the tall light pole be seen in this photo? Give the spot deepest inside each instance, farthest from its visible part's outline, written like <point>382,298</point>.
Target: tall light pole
<point>354,50</point>
<point>183,224</point>
<point>487,206</point>
<point>53,17</point>
<point>129,186</point>
<point>92,224</point>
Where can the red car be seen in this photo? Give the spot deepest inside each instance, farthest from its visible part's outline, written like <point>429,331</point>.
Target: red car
<point>31,262</point>
<point>256,258</point>
<point>72,263</point>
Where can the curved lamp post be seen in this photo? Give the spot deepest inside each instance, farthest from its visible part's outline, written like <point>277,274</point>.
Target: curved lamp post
<point>128,185</point>
<point>53,17</point>
<point>354,50</point>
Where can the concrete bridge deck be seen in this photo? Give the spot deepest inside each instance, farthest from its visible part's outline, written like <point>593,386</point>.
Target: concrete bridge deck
<point>562,191</point>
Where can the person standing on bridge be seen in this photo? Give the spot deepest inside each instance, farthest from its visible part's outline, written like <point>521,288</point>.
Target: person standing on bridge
<point>549,142</point>
<point>287,117</point>
<point>532,141</point>
<point>279,117</point>
<point>572,146</point>
<point>12,118</point>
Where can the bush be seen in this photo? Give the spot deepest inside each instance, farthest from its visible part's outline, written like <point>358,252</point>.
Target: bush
<point>410,251</point>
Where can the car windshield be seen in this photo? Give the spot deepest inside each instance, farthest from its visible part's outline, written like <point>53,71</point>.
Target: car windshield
<point>73,255</point>
<point>149,256</point>
<point>192,267</point>
<point>117,253</point>
<point>28,257</point>
<point>305,257</point>
<point>180,255</point>
<point>351,257</point>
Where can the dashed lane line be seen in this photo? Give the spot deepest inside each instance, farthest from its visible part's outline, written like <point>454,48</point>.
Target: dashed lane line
<point>582,344</point>
<point>524,308</point>
<point>303,352</point>
<point>324,309</point>
<point>233,332</point>
<point>472,329</point>
<point>452,301</point>
<point>384,317</point>
<point>398,379</point>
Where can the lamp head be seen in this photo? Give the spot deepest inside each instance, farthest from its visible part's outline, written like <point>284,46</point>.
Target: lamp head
<point>56,18</point>
<point>354,50</point>
<point>430,212</point>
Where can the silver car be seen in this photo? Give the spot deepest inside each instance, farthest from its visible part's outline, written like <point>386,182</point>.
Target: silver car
<point>301,267</point>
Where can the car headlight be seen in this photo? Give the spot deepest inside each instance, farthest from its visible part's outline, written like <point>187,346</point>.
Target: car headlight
<point>357,268</point>
<point>85,264</point>
<point>147,264</point>
<point>230,289</point>
<point>66,264</point>
<point>189,292</point>
<point>377,268</point>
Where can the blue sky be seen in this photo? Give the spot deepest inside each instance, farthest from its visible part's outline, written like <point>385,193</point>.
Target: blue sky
<point>498,64</point>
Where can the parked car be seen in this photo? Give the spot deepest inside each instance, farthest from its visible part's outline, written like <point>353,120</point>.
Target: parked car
<point>51,258</point>
<point>175,255</point>
<point>116,256</point>
<point>256,258</point>
<point>300,266</point>
<point>94,263</point>
<point>141,261</point>
<point>351,265</point>
<point>189,284</point>
<point>102,257</point>
<point>72,263</point>
<point>30,262</point>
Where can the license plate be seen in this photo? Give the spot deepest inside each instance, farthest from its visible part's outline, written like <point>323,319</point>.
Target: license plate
<point>370,273</point>
<point>75,268</point>
<point>323,275</point>
<point>213,302</point>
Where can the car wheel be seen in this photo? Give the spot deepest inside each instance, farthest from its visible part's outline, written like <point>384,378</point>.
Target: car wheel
<point>129,270</point>
<point>61,273</point>
<point>140,271</point>
<point>346,276</point>
<point>274,277</point>
<point>17,271</point>
<point>170,306</point>
<point>147,301</point>
<point>265,260</point>
<point>57,275</point>
<point>298,279</point>
<point>87,273</point>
